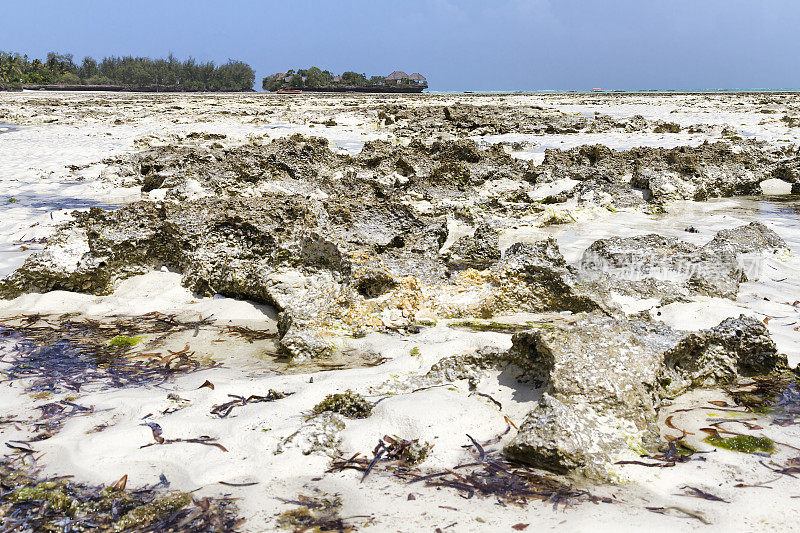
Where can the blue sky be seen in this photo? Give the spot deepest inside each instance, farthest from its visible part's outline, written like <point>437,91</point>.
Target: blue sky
<point>457,44</point>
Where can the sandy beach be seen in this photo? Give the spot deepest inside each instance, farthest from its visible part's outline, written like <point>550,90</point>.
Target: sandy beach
<point>430,253</point>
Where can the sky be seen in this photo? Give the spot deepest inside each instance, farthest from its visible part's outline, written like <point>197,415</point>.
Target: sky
<point>478,45</point>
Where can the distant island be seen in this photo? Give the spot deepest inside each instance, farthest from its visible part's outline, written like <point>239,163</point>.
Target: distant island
<point>316,79</point>
<point>60,72</point>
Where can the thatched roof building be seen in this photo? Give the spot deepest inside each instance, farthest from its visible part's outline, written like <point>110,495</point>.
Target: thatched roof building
<point>397,75</point>
<point>417,77</point>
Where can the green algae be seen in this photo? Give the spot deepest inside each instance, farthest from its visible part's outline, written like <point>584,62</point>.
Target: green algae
<point>148,513</point>
<point>66,499</point>
<point>314,515</point>
<point>348,403</point>
<point>415,453</point>
<point>300,517</point>
<point>51,492</point>
<point>30,503</point>
<point>125,342</point>
<point>742,443</point>
<point>684,450</point>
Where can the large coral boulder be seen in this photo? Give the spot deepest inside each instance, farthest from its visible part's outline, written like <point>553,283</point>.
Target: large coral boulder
<point>648,265</point>
<point>599,400</point>
<point>479,250</point>
<point>667,268</point>
<point>275,250</point>
<point>530,277</point>
<point>720,355</point>
<point>754,237</point>
<point>535,277</point>
<point>667,174</point>
<point>603,381</point>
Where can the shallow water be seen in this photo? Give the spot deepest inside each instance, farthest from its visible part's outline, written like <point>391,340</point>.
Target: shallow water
<point>782,214</point>
<point>7,128</point>
<point>28,212</point>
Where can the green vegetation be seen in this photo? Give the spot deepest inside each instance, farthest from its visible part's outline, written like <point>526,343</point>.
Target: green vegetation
<point>125,342</point>
<point>742,443</point>
<point>168,74</point>
<point>349,404</point>
<point>316,78</point>
<point>311,78</point>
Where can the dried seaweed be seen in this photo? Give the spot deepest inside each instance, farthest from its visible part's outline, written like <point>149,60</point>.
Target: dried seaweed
<point>54,414</point>
<point>206,384</point>
<point>698,493</point>
<point>159,440</point>
<point>681,512</point>
<point>791,467</point>
<point>246,484</point>
<point>223,410</point>
<point>489,475</point>
<point>250,335</point>
<point>395,450</point>
<point>31,502</point>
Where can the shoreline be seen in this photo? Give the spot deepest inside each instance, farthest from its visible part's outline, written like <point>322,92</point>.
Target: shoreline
<point>120,88</point>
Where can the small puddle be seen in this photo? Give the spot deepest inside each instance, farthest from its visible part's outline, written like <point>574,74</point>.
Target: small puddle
<point>279,126</point>
<point>782,205</point>
<point>779,399</point>
<point>785,408</point>
<point>62,352</point>
<point>351,147</point>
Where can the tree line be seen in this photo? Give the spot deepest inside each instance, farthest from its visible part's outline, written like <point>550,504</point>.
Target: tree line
<point>315,77</point>
<point>18,70</point>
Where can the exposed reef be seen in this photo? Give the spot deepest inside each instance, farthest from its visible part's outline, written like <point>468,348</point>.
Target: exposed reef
<point>664,174</point>
<point>438,235</point>
<point>335,241</point>
<point>462,119</point>
<point>354,265</point>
